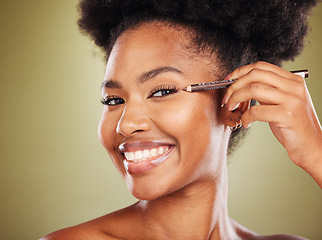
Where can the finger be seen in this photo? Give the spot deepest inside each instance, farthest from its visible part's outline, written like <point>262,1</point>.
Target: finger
<point>268,78</point>
<point>263,76</point>
<point>263,113</point>
<point>257,91</point>
<point>264,66</point>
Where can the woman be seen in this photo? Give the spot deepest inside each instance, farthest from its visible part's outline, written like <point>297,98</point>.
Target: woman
<point>170,145</point>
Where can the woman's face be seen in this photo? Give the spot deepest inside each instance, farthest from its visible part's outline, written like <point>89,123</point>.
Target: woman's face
<point>160,138</point>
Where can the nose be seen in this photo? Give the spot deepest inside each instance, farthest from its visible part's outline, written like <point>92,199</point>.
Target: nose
<point>134,119</point>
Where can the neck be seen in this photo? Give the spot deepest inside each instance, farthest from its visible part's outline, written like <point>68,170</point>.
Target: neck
<point>198,211</point>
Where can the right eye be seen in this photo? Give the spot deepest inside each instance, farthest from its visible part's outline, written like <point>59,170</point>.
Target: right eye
<point>112,101</point>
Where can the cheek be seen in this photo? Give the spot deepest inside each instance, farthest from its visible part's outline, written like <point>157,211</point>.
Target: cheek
<point>103,130</point>
<point>107,132</point>
<point>190,120</point>
<point>108,136</point>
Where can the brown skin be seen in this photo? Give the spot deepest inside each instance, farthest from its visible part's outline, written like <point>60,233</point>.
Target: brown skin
<point>186,195</point>
<point>285,103</point>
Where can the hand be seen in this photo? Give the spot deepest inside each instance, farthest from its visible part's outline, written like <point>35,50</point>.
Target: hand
<point>286,105</point>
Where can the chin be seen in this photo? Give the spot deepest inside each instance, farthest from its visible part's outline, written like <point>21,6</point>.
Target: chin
<point>143,196</point>
<point>146,195</point>
<point>144,191</point>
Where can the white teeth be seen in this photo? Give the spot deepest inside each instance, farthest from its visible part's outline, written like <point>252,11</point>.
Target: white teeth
<point>138,156</point>
<point>160,150</point>
<point>146,153</point>
<point>129,156</point>
<point>154,152</point>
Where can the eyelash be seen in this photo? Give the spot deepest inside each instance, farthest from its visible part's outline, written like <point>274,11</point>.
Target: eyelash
<point>168,89</point>
<point>107,100</point>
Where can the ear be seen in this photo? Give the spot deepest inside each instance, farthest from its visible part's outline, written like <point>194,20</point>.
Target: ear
<point>232,118</point>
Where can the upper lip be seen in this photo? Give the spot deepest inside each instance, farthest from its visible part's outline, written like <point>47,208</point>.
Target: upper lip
<point>141,145</point>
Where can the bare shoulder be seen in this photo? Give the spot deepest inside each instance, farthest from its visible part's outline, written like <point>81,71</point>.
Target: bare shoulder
<point>246,234</point>
<point>107,227</point>
<point>253,236</point>
<point>78,233</point>
<point>281,237</point>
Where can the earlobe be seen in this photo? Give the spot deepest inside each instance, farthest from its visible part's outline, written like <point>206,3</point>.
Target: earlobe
<point>237,126</point>
<point>232,119</point>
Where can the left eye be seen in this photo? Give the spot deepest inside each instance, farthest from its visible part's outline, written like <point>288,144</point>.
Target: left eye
<point>163,92</point>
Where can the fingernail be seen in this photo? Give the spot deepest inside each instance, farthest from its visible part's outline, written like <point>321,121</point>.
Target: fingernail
<point>227,77</point>
<point>223,102</point>
<point>248,126</point>
<point>233,107</point>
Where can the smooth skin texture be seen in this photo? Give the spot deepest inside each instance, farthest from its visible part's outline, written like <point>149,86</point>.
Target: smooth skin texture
<point>185,197</point>
<point>285,103</point>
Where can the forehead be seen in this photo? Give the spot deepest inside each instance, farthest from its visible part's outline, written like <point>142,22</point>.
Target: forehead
<point>160,31</point>
<point>152,45</point>
<point>155,37</point>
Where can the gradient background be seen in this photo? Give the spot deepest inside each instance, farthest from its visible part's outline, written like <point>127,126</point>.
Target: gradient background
<point>54,173</point>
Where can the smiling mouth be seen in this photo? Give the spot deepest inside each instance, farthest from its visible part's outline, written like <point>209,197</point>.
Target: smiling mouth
<point>142,156</point>
<point>146,154</point>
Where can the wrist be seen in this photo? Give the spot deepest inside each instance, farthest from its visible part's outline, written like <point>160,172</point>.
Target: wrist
<point>314,167</point>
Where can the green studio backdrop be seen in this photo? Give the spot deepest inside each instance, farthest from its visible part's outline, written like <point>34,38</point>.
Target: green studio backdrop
<point>54,172</point>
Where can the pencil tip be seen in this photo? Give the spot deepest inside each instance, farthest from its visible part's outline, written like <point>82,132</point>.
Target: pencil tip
<point>187,89</point>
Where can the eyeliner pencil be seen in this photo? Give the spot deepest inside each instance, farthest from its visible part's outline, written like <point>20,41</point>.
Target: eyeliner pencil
<point>225,83</point>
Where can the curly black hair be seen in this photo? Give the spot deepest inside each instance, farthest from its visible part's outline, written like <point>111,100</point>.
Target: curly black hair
<point>240,32</point>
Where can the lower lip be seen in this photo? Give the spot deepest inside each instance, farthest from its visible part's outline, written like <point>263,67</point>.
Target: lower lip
<point>146,165</point>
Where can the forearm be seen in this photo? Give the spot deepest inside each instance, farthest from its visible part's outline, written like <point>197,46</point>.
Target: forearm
<point>316,172</point>
<point>314,169</point>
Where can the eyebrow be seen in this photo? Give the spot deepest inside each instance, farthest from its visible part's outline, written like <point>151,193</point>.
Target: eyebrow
<point>143,78</point>
<point>155,72</point>
<point>111,84</point>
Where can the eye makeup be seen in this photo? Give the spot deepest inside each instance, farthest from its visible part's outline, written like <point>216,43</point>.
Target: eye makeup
<point>158,92</point>
<point>112,101</point>
<point>227,83</point>
<point>163,90</point>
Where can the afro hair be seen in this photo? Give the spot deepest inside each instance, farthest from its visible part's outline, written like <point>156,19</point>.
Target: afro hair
<point>270,31</point>
<point>240,32</point>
